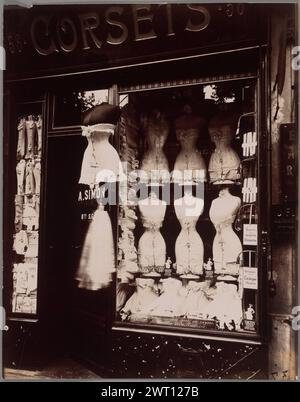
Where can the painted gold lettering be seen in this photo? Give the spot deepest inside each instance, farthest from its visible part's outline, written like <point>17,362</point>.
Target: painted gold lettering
<point>124,31</point>
<point>205,20</point>
<point>136,9</point>
<point>45,21</point>
<point>89,22</point>
<point>65,25</point>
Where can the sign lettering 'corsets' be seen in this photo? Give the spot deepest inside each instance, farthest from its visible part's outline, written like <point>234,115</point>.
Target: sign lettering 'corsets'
<point>101,36</point>
<point>87,29</point>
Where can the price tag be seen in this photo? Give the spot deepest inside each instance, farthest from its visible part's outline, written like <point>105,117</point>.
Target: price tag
<point>250,280</point>
<point>250,234</point>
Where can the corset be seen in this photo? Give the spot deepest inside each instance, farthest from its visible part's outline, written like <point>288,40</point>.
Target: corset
<point>155,164</point>
<point>101,161</point>
<point>39,132</point>
<point>21,139</point>
<point>189,251</point>
<point>37,177</point>
<point>151,247</point>
<point>226,245</point>
<point>224,165</point>
<point>226,249</point>
<point>31,138</point>
<point>20,171</point>
<point>29,179</point>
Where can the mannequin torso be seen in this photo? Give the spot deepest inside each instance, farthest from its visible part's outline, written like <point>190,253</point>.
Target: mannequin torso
<point>152,247</point>
<point>224,162</point>
<point>155,163</point>
<point>189,160</point>
<point>226,246</point>
<point>189,245</point>
<point>100,158</point>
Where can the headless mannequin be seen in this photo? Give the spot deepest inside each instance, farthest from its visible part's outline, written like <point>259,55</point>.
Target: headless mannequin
<point>100,157</point>
<point>152,247</point>
<point>189,245</point>
<point>189,160</point>
<point>224,162</point>
<point>155,163</point>
<point>226,246</point>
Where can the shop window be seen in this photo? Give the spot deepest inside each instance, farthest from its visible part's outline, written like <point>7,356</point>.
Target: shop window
<point>188,228</point>
<point>28,165</point>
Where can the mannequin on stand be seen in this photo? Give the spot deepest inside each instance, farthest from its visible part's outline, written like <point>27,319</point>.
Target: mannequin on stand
<point>189,245</point>
<point>154,162</point>
<point>100,161</point>
<point>152,247</point>
<point>224,162</point>
<point>226,246</point>
<point>189,160</point>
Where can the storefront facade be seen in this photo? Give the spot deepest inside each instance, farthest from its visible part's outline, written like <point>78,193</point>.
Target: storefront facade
<point>204,89</point>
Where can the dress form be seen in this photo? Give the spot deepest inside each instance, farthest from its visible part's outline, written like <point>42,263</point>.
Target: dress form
<point>226,246</point>
<point>189,164</point>
<point>224,162</point>
<point>101,161</point>
<point>155,164</point>
<point>151,246</point>
<point>189,246</point>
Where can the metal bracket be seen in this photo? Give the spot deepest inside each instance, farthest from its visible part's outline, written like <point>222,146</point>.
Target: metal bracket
<point>3,326</point>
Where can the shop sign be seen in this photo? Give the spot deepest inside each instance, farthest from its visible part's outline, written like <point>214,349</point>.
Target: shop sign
<point>65,37</point>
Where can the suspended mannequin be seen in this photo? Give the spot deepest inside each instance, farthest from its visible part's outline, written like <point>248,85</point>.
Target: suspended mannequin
<point>154,163</point>
<point>224,164</point>
<point>189,164</point>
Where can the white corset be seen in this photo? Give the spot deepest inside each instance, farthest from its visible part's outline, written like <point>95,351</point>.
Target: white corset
<point>189,164</point>
<point>226,246</point>
<point>154,162</point>
<point>101,162</point>
<point>189,246</point>
<point>152,247</point>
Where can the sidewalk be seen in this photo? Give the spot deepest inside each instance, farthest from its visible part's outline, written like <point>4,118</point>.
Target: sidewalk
<point>64,368</point>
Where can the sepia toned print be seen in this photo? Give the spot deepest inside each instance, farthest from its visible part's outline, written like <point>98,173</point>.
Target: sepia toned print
<point>150,181</point>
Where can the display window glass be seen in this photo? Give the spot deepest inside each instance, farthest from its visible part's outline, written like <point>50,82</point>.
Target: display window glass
<point>28,160</point>
<point>187,244</point>
<point>69,106</point>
